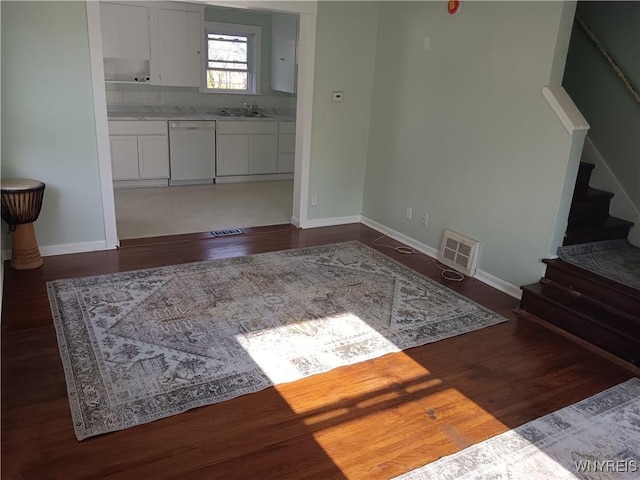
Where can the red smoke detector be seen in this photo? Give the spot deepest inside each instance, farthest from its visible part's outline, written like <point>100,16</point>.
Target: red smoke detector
<point>453,6</point>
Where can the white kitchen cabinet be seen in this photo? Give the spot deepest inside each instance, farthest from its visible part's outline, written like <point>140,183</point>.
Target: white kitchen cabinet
<point>284,43</point>
<point>263,154</point>
<point>233,155</point>
<point>139,150</point>
<point>124,157</point>
<point>125,41</point>
<point>181,35</point>
<point>153,156</point>
<point>125,31</point>
<point>286,147</point>
<point>246,148</point>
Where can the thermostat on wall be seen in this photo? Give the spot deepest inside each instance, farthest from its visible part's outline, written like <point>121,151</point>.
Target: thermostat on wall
<point>337,96</point>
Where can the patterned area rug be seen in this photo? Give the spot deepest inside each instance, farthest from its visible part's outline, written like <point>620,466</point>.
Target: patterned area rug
<point>617,260</point>
<point>147,344</point>
<point>595,439</point>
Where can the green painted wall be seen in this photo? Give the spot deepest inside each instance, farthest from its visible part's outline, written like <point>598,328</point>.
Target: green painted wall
<point>462,132</point>
<point>48,125</point>
<point>345,54</point>
<point>612,112</point>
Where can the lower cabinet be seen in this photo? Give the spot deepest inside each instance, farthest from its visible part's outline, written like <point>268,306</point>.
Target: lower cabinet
<point>233,155</point>
<point>139,150</point>
<point>246,148</point>
<point>286,146</point>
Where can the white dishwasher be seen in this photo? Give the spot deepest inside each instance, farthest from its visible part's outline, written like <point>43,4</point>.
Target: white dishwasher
<point>192,152</point>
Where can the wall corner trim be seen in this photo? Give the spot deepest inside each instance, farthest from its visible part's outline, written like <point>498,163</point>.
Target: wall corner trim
<point>480,275</point>
<point>565,109</point>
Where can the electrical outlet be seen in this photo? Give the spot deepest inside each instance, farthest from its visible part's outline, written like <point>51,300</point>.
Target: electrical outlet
<point>425,219</point>
<point>314,200</point>
<point>409,213</point>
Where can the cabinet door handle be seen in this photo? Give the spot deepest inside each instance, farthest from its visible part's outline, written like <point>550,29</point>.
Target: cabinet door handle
<point>282,59</point>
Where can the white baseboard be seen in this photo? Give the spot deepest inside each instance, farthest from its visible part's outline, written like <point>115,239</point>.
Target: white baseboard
<point>65,248</point>
<point>331,221</point>
<point>480,275</point>
<point>255,178</point>
<point>295,221</point>
<point>603,178</point>
<point>160,182</point>
<point>499,284</point>
<point>401,237</point>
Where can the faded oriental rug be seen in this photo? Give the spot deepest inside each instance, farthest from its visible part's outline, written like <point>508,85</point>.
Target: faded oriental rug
<point>143,345</point>
<point>595,439</point>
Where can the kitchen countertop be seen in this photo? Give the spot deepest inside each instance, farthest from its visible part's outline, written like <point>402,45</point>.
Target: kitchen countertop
<point>191,113</point>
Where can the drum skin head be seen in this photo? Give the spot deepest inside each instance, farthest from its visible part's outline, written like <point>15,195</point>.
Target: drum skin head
<point>19,184</point>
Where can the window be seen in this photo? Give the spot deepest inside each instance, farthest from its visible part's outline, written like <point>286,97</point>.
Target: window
<point>232,63</point>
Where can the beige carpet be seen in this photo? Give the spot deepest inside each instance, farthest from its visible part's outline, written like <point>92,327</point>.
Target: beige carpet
<point>156,211</point>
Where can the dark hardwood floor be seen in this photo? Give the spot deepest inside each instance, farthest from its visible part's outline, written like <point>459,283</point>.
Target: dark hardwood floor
<point>372,420</point>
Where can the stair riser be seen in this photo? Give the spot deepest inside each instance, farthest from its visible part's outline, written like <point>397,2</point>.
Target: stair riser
<point>597,206</point>
<point>615,233</point>
<point>584,174</point>
<point>590,221</point>
<point>594,290</point>
<point>623,347</point>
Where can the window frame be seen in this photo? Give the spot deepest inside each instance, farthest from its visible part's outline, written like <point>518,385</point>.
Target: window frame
<point>254,50</point>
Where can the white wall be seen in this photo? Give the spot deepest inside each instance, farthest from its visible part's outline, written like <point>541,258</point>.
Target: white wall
<point>462,132</point>
<point>345,54</point>
<point>48,125</point>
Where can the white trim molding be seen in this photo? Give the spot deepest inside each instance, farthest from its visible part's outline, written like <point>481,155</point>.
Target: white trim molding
<point>565,109</point>
<point>102,125</point>
<point>66,248</point>
<point>330,221</point>
<point>480,275</point>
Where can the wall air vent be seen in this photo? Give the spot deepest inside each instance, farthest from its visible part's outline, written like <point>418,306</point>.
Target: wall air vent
<point>459,252</point>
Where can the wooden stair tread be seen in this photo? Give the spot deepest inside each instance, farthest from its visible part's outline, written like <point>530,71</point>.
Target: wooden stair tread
<point>592,193</point>
<point>602,282</point>
<point>592,311</point>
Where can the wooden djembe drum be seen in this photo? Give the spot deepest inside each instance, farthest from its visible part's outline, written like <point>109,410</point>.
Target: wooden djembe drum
<point>21,204</point>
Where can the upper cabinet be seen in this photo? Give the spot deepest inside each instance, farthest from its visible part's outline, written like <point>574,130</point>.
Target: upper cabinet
<point>181,36</point>
<point>284,59</point>
<point>125,31</point>
<point>157,43</point>
<point>125,41</point>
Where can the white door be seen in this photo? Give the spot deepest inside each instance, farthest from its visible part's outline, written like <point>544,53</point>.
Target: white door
<point>124,157</point>
<point>153,156</point>
<point>233,155</point>
<point>263,154</point>
<point>180,40</point>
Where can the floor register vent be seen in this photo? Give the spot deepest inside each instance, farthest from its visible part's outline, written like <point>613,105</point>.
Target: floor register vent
<point>459,252</point>
<point>224,233</point>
